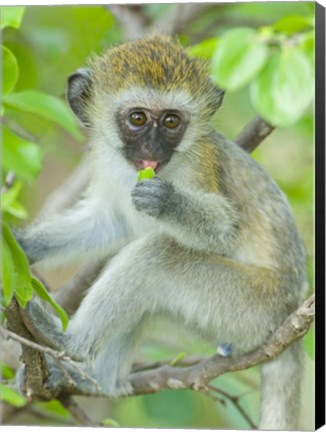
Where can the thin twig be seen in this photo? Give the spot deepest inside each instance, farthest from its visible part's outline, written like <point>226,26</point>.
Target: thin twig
<point>35,412</point>
<point>65,373</point>
<point>9,181</point>
<point>17,129</point>
<point>214,397</point>
<point>131,18</point>
<point>77,412</point>
<point>68,191</point>
<point>186,361</point>
<point>235,401</point>
<point>248,392</point>
<point>179,15</point>
<point>72,292</point>
<point>57,355</point>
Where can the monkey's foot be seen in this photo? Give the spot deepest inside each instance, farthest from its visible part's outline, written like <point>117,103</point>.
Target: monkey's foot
<point>46,328</point>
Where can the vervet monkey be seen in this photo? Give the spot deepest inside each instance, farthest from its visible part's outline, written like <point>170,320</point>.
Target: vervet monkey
<point>210,239</point>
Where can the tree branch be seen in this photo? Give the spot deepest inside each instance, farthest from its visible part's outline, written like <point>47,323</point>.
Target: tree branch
<point>179,16</point>
<point>135,23</point>
<point>72,292</point>
<point>56,355</point>
<point>198,376</point>
<point>77,412</point>
<point>253,134</point>
<point>131,18</point>
<point>68,191</point>
<point>36,369</point>
<point>34,354</point>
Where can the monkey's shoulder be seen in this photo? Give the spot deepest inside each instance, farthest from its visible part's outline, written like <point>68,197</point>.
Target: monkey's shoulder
<point>223,166</point>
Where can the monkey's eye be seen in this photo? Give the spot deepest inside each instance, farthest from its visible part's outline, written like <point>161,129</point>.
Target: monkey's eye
<point>137,118</point>
<point>171,121</point>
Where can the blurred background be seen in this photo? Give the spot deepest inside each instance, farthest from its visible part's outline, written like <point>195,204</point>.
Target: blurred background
<point>51,43</point>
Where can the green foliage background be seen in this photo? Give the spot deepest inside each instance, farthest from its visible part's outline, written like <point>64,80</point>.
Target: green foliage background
<point>43,144</point>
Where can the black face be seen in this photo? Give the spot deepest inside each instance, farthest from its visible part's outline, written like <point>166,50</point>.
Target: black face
<point>151,137</point>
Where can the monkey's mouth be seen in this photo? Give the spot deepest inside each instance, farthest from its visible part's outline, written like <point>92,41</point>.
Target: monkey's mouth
<point>142,164</point>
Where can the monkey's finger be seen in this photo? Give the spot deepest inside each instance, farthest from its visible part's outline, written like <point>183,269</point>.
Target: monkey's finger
<point>147,205</point>
<point>45,327</point>
<point>147,188</point>
<point>31,315</point>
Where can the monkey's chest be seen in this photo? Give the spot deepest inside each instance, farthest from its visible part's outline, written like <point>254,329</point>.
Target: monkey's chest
<point>138,223</point>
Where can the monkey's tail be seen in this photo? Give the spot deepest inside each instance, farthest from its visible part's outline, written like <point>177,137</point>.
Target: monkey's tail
<point>281,390</point>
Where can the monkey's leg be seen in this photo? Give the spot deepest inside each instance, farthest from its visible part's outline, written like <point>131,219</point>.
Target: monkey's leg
<point>231,301</point>
<point>108,365</point>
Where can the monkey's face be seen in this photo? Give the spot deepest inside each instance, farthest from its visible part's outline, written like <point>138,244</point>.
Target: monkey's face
<point>150,136</point>
<point>146,98</point>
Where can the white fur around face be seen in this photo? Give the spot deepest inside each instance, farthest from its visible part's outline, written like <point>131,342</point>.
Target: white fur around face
<point>148,98</point>
<point>112,175</point>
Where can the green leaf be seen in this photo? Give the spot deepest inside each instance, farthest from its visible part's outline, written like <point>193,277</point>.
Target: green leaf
<point>284,89</point>
<point>10,195</point>
<point>293,24</point>
<point>17,210</point>
<point>110,422</point>
<point>11,16</point>
<point>9,273</point>
<point>11,396</point>
<point>6,371</point>
<point>22,280</point>
<point>239,56</point>
<point>146,173</point>
<point>22,157</point>
<point>308,40</point>
<point>307,44</point>
<point>52,407</point>
<point>19,279</point>
<point>178,358</point>
<point>204,49</point>
<point>10,70</point>
<point>44,295</point>
<point>44,105</point>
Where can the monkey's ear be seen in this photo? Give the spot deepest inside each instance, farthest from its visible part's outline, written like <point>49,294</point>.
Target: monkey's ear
<point>219,94</point>
<point>78,94</point>
<point>215,98</point>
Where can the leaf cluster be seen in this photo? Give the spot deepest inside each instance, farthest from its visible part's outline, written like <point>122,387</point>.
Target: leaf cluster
<point>21,162</point>
<point>277,62</point>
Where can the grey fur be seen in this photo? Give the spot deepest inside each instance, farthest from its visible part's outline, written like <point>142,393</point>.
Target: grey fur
<point>211,240</point>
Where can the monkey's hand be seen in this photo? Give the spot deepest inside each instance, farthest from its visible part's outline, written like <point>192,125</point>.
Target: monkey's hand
<point>152,196</point>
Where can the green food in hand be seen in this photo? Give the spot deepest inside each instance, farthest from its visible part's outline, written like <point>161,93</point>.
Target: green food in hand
<point>146,173</point>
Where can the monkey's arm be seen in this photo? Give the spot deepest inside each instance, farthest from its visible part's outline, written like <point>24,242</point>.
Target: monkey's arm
<point>198,220</point>
<point>64,237</point>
